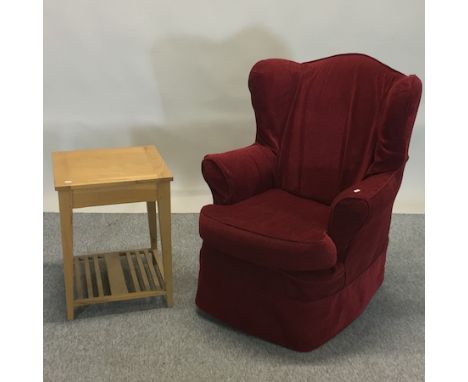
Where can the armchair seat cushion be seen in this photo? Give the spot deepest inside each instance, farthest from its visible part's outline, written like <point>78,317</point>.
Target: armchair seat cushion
<point>273,229</point>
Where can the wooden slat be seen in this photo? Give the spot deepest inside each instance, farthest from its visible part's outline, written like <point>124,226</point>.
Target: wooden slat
<point>120,297</point>
<point>102,255</point>
<point>139,256</point>
<point>154,276</point>
<point>97,269</point>
<point>116,277</point>
<point>136,284</point>
<point>79,289</point>
<point>89,284</point>
<point>158,258</point>
<point>115,274</point>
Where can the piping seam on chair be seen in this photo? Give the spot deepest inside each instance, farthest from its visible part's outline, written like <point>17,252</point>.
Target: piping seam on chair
<point>321,239</point>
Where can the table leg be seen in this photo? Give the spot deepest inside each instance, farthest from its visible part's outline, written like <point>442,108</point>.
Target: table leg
<point>152,223</point>
<point>66,224</point>
<point>164,209</point>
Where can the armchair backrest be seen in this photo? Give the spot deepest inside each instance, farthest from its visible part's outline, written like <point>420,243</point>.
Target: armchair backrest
<point>333,121</point>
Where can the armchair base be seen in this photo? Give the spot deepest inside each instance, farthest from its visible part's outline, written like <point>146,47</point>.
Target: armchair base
<point>301,324</point>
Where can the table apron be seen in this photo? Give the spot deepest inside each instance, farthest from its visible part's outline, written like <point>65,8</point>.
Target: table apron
<point>116,194</point>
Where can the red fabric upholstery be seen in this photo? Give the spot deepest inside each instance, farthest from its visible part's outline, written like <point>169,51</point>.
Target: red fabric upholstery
<point>274,229</point>
<point>239,174</point>
<point>298,231</point>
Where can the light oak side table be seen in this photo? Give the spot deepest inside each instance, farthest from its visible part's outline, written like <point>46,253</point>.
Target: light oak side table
<point>111,176</point>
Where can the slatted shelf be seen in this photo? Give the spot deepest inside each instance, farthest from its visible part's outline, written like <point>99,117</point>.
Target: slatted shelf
<point>118,276</point>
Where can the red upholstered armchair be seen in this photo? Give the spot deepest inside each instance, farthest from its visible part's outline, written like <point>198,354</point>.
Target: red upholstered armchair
<point>294,245</point>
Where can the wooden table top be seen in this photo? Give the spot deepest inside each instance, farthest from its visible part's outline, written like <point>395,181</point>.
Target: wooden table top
<point>100,167</point>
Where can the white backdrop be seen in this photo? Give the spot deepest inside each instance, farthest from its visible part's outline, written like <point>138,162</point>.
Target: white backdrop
<point>174,74</point>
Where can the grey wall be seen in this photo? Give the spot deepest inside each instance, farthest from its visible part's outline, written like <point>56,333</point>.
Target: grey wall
<point>174,74</point>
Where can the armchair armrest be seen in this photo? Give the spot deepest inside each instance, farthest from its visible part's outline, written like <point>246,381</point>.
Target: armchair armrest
<point>239,174</point>
<point>357,205</point>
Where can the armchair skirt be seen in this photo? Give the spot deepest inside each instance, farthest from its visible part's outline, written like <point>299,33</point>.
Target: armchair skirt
<point>300,312</point>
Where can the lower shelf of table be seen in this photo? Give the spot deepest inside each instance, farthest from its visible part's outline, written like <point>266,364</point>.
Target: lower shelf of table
<point>118,276</point>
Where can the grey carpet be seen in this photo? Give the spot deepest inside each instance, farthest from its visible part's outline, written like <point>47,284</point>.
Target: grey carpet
<point>145,341</point>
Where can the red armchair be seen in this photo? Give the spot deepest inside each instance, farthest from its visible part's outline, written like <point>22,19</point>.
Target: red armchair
<point>294,245</point>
